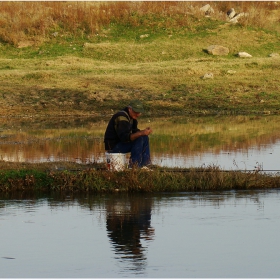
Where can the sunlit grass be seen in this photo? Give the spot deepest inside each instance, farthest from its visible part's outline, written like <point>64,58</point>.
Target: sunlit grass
<point>67,86</point>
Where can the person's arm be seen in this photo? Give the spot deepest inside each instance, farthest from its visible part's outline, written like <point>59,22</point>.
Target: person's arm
<point>146,131</point>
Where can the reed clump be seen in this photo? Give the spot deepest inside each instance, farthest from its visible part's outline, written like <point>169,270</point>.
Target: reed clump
<point>99,180</point>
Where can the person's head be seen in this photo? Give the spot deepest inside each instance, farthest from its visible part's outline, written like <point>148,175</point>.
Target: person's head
<point>135,109</point>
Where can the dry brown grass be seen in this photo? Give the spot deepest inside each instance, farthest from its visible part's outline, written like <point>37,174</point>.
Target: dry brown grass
<point>36,21</point>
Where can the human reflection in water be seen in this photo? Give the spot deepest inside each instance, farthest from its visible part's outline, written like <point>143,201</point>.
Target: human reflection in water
<point>129,226</point>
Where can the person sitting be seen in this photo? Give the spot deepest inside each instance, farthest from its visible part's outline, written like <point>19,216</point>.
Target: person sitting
<point>122,135</point>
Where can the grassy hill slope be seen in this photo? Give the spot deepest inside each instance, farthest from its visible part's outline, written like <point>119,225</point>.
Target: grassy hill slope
<point>81,58</point>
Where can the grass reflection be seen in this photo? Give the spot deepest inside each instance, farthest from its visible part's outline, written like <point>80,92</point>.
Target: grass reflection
<point>191,135</point>
<point>172,136</point>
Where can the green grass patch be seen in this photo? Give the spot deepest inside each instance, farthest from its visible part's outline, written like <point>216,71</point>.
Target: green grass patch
<point>12,180</point>
<point>136,180</point>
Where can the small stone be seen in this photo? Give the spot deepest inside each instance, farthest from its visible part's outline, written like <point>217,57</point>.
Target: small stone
<point>243,54</point>
<point>274,55</point>
<point>207,9</point>
<point>208,76</point>
<point>144,36</point>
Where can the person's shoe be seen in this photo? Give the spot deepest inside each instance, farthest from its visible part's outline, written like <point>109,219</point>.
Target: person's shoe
<point>152,166</point>
<point>145,168</point>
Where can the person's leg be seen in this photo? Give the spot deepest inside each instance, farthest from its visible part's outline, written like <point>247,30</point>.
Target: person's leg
<point>140,151</point>
<point>146,157</point>
<point>122,148</point>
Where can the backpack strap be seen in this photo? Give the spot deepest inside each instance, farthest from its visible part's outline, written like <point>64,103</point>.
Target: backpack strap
<point>126,115</point>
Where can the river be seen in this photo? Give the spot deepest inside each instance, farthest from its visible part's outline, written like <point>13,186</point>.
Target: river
<point>183,235</point>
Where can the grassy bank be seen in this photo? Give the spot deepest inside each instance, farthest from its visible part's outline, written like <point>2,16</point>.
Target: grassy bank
<point>96,179</point>
<point>65,58</point>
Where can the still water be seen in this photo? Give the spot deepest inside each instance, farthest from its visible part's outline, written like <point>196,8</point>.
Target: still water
<point>233,143</point>
<point>183,235</point>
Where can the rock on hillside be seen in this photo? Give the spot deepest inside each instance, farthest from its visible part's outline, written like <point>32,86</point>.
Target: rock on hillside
<point>217,50</point>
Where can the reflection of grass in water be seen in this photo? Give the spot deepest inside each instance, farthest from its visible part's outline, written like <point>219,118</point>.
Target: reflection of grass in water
<point>171,136</point>
<point>199,134</point>
<point>54,133</point>
<point>64,144</point>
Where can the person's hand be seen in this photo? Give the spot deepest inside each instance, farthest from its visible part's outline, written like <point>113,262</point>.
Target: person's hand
<point>139,133</point>
<point>147,131</point>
